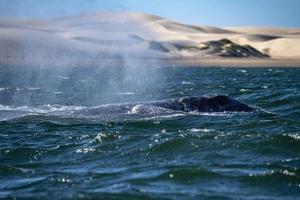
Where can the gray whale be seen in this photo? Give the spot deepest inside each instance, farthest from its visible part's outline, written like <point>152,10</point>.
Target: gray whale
<point>218,103</point>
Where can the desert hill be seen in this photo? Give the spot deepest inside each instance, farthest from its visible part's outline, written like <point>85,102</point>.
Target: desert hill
<point>105,37</point>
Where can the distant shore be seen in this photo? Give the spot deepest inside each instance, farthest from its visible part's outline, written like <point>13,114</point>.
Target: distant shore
<point>231,62</point>
<point>192,62</point>
<point>127,38</point>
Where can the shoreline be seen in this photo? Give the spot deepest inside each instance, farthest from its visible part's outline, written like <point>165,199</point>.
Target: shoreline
<point>236,62</point>
<point>160,62</point>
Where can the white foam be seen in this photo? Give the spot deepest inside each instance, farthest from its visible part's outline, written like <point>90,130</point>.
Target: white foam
<point>125,93</point>
<point>63,77</point>
<point>3,89</point>
<point>165,116</point>
<point>40,109</point>
<point>32,88</point>
<point>186,83</point>
<point>204,130</point>
<point>140,108</point>
<point>220,114</point>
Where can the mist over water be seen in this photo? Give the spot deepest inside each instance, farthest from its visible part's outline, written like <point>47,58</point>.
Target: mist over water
<point>82,86</point>
<point>121,69</point>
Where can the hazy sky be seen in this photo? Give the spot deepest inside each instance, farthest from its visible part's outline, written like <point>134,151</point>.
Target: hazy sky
<point>209,12</point>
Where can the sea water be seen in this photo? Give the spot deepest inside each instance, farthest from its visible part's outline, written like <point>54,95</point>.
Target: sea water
<point>47,155</point>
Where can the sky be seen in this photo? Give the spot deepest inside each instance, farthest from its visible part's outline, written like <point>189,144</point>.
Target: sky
<point>199,12</point>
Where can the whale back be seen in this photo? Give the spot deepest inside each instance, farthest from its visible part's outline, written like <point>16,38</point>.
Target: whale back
<point>218,103</point>
<point>187,104</point>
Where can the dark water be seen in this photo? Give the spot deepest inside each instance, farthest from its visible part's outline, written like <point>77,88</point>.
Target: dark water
<point>47,155</point>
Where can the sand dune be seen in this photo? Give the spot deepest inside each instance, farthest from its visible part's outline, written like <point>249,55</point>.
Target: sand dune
<point>266,30</point>
<point>100,38</point>
<point>178,27</point>
<point>261,38</point>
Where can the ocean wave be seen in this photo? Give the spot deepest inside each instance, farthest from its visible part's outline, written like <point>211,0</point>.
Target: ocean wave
<point>105,112</point>
<point>9,112</point>
<point>189,174</point>
<point>40,109</point>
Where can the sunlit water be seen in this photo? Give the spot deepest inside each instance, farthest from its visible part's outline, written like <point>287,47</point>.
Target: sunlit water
<point>46,152</point>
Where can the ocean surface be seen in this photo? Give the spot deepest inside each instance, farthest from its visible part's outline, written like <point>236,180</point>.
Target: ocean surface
<point>48,152</point>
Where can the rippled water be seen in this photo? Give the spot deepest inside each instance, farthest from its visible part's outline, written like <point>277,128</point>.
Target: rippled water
<point>157,156</point>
